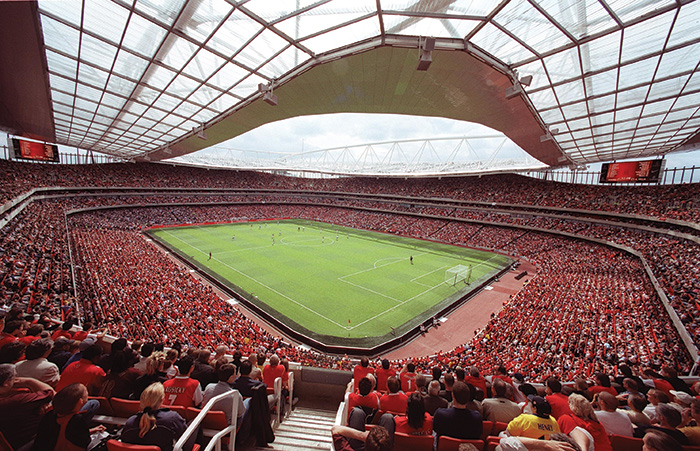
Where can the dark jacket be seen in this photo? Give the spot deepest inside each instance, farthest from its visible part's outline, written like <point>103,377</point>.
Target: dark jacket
<point>168,428</point>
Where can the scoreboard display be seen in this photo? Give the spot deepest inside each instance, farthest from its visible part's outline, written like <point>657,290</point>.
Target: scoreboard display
<point>30,150</point>
<point>646,171</point>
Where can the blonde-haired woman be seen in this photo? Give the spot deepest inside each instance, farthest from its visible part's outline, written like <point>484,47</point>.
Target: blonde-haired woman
<point>584,417</point>
<point>153,373</point>
<point>154,425</point>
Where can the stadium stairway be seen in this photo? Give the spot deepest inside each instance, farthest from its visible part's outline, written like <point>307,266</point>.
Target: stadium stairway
<point>305,429</point>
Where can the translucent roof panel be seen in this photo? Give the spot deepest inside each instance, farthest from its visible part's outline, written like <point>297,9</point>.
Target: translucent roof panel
<point>609,78</point>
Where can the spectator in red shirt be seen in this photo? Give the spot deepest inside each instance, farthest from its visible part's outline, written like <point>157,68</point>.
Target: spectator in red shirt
<point>407,376</point>
<point>582,415</point>
<point>272,371</point>
<point>34,332</point>
<point>63,331</point>
<point>87,331</point>
<point>364,397</point>
<point>23,401</point>
<point>395,401</point>
<point>659,382</point>
<point>182,390</point>
<point>555,398</point>
<point>602,384</point>
<point>416,421</point>
<point>475,379</point>
<point>361,370</point>
<point>85,371</point>
<point>502,373</point>
<point>12,331</point>
<point>383,374</point>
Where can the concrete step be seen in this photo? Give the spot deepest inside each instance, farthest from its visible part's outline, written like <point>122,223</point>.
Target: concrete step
<point>304,430</point>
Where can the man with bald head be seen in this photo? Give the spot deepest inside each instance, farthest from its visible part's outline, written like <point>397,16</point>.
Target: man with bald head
<point>613,420</point>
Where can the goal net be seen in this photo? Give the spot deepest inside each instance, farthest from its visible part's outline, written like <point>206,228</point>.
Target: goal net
<point>457,274</point>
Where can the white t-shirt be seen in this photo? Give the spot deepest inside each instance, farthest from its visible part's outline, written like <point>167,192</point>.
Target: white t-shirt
<point>617,422</point>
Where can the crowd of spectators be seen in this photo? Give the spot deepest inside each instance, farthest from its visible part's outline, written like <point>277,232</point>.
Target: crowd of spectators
<point>44,399</point>
<point>554,416</point>
<point>598,298</point>
<point>668,202</point>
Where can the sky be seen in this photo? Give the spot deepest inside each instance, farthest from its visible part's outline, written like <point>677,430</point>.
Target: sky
<point>349,133</point>
<point>348,129</point>
<point>336,130</point>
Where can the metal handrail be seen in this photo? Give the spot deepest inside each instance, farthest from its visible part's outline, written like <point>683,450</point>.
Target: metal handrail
<point>278,401</point>
<point>231,429</point>
<point>290,384</point>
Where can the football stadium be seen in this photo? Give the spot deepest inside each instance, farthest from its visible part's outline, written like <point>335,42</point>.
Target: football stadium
<point>528,281</point>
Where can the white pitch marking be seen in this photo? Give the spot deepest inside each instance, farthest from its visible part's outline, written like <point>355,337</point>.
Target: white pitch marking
<point>262,284</point>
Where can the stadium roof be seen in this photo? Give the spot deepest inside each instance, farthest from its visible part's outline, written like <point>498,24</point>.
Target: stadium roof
<point>587,80</point>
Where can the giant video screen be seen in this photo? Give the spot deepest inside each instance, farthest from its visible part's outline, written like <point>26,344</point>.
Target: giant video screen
<point>30,150</point>
<point>646,171</point>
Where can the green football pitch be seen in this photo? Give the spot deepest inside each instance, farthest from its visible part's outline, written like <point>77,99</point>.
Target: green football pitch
<point>332,283</point>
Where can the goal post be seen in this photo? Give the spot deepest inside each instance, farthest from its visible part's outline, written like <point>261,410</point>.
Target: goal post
<point>457,274</point>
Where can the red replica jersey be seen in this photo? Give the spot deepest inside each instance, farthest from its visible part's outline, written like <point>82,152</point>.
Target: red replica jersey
<point>395,402</point>
<point>359,372</point>
<point>180,391</point>
<point>382,376</point>
<point>357,400</point>
<point>408,382</point>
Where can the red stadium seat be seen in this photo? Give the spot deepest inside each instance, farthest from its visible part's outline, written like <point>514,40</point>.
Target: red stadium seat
<point>124,408</point>
<point>116,445</point>
<point>491,443</point>
<point>214,419</point>
<point>105,407</point>
<point>487,427</point>
<point>498,427</point>
<point>405,442</point>
<point>622,443</point>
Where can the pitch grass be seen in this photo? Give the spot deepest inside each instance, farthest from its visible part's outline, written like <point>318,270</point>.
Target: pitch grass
<point>330,282</point>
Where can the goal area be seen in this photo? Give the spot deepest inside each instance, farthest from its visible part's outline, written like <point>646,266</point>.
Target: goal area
<point>457,274</point>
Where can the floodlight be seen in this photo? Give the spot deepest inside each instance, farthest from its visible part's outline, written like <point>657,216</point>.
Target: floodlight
<point>514,91</point>
<point>426,48</point>
<point>268,96</point>
<point>526,80</point>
